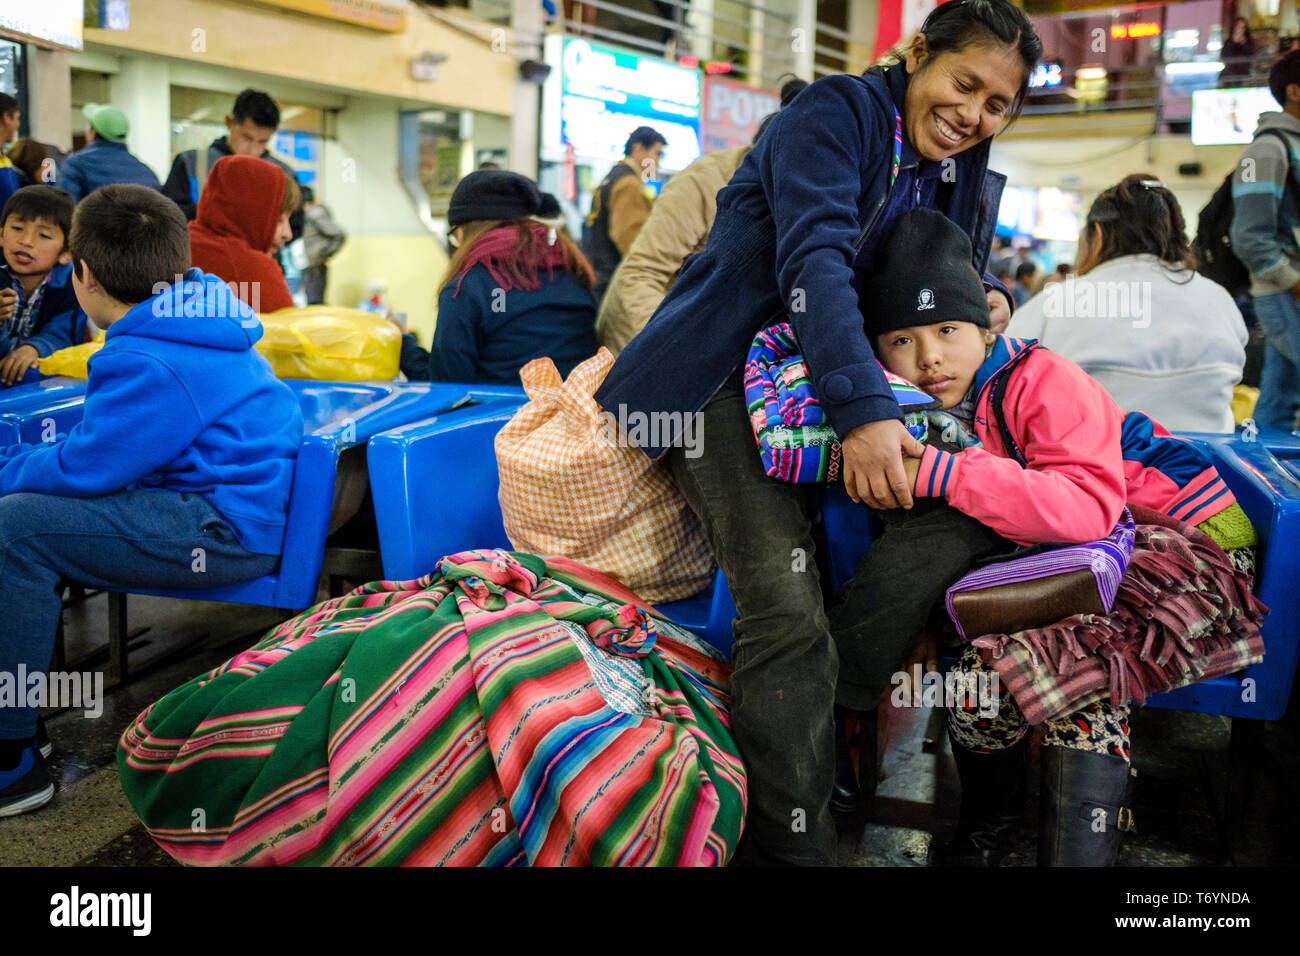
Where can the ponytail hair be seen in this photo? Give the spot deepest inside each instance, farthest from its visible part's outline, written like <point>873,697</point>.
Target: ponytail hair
<point>958,24</point>
<point>1140,215</point>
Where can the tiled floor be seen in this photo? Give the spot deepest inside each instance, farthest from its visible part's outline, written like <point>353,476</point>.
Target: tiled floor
<point>1182,761</point>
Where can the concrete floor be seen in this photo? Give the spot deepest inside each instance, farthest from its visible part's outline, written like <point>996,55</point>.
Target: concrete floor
<point>1182,760</point>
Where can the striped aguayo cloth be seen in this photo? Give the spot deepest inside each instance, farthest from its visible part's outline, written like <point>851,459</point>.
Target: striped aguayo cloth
<point>503,710</point>
<point>1183,614</point>
<point>795,441</point>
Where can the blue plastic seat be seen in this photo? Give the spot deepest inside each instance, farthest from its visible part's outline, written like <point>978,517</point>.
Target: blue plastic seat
<point>1263,475</point>
<point>336,416</point>
<point>435,487</point>
<point>27,412</point>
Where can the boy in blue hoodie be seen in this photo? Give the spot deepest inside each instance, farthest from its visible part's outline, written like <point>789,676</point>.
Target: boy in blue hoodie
<point>178,476</point>
<point>38,308</point>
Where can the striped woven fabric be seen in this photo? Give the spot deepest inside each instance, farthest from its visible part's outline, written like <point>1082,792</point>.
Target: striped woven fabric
<point>1183,614</point>
<point>795,441</point>
<point>503,710</point>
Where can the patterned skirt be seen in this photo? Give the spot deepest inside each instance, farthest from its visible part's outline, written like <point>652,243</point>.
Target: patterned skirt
<point>503,710</point>
<point>1184,613</point>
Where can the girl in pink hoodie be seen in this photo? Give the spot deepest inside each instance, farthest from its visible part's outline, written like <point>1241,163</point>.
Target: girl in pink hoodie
<point>1035,450</point>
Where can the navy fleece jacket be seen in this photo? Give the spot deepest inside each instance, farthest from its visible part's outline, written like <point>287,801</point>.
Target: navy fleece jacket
<point>179,400</point>
<point>59,324</point>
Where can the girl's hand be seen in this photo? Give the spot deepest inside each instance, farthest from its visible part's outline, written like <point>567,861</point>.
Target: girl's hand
<point>875,472</point>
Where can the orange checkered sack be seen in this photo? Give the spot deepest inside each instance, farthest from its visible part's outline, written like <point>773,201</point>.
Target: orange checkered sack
<point>569,487</point>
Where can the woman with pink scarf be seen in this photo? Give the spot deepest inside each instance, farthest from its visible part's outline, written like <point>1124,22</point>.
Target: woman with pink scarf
<point>515,289</point>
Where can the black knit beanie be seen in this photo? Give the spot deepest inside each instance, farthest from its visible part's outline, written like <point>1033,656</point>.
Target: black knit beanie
<point>922,274</point>
<point>493,194</point>
<point>549,208</point>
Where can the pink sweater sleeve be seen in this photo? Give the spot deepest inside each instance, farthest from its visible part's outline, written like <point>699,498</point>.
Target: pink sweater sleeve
<point>1068,428</point>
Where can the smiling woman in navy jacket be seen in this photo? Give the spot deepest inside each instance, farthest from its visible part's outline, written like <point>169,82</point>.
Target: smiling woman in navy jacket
<point>802,212</point>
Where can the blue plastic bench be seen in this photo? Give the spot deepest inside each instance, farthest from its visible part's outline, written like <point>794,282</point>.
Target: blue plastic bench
<point>27,412</point>
<point>336,415</point>
<point>1265,477</point>
<point>435,487</point>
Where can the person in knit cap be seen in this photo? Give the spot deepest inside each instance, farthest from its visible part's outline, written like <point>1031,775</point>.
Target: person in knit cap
<point>515,289</point>
<point>1029,450</point>
<point>242,220</point>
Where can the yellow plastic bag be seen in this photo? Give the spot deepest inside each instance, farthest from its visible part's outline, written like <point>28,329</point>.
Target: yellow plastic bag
<point>72,360</point>
<point>331,344</point>
<point>1244,398</point>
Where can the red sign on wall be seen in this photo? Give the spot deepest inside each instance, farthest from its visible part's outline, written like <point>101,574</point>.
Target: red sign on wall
<point>732,112</point>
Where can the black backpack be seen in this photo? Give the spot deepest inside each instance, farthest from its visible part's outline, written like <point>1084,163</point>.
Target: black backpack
<point>1213,245</point>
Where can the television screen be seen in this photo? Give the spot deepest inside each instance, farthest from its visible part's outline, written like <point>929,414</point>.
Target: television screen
<point>1220,117</point>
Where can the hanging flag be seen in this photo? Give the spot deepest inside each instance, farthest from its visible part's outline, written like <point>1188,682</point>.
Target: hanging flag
<point>899,19</point>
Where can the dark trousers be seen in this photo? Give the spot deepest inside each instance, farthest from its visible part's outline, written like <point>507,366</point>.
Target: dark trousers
<point>784,663</point>
<point>788,655</point>
<point>313,283</point>
<point>899,581</point>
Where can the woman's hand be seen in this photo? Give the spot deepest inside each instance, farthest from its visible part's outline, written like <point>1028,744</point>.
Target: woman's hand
<point>874,470</point>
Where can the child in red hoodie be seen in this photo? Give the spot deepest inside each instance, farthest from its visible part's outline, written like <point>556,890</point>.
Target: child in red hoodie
<point>242,220</point>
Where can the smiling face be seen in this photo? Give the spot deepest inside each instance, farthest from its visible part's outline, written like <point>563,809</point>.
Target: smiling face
<point>941,359</point>
<point>958,98</point>
<point>32,247</point>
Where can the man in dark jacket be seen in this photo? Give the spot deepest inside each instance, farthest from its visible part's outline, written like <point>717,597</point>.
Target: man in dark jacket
<point>250,126</point>
<point>104,159</point>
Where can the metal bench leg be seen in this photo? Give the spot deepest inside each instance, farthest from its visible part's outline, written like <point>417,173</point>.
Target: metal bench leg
<point>1245,749</point>
<point>117,637</point>
<point>58,660</point>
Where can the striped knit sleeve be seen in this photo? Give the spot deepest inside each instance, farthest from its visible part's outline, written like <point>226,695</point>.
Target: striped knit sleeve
<point>938,473</point>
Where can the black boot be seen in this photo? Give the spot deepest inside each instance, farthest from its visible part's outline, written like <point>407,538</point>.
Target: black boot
<point>1082,808</point>
<point>855,765</point>
<point>992,803</point>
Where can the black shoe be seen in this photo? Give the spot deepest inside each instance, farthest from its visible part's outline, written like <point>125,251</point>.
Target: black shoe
<point>43,739</point>
<point>1082,808</point>
<point>855,765</point>
<point>27,786</point>
<point>992,805</point>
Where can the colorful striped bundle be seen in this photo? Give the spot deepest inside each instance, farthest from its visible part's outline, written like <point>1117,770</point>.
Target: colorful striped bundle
<point>795,441</point>
<point>503,710</point>
<point>1183,614</point>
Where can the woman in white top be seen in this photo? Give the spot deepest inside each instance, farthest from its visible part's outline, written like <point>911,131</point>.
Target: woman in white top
<point>1160,337</point>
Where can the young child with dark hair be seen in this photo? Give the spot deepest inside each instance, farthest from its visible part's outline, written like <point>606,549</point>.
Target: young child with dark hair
<point>186,448</point>
<point>1062,471</point>
<point>37,304</point>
